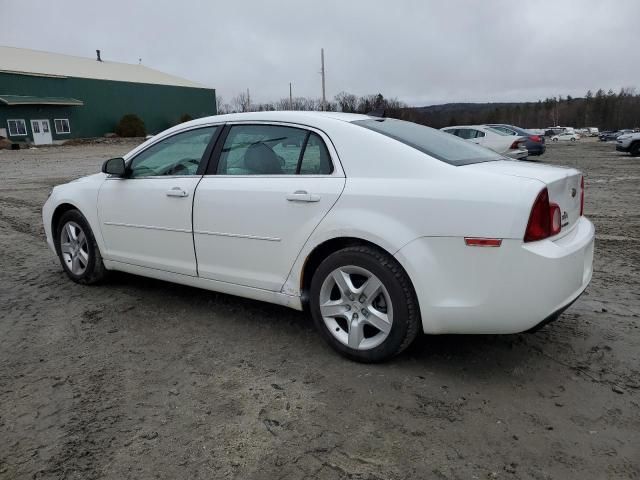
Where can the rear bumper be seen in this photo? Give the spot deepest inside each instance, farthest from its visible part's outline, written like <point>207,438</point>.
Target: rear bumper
<point>517,154</point>
<point>536,148</point>
<point>509,289</point>
<point>553,317</point>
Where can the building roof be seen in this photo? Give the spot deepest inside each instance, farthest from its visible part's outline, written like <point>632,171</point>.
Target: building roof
<point>35,62</point>
<point>31,100</point>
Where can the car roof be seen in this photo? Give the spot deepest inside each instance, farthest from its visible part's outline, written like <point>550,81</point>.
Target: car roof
<point>467,126</point>
<point>282,116</point>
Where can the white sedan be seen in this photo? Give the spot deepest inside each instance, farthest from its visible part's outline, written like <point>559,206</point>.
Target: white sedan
<point>497,140</point>
<point>565,137</point>
<point>380,228</point>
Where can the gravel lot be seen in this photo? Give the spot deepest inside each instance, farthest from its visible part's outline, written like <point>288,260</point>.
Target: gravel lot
<point>139,378</point>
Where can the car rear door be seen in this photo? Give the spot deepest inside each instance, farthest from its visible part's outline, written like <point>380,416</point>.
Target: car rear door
<point>266,191</point>
<point>145,218</point>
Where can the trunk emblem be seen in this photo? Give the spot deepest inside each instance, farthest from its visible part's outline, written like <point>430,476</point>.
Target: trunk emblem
<point>573,192</point>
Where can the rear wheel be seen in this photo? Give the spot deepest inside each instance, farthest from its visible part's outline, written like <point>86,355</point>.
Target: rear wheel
<point>573,139</point>
<point>77,249</point>
<point>554,139</point>
<point>634,151</point>
<point>363,304</point>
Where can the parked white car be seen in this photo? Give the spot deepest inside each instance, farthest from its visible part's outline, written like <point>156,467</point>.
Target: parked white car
<point>565,137</point>
<point>381,228</point>
<point>492,138</point>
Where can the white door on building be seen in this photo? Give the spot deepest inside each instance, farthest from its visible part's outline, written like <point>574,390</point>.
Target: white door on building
<point>41,132</point>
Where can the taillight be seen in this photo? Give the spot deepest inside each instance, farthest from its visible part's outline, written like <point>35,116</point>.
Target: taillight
<point>581,196</point>
<point>556,221</point>
<point>515,145</point>
<point>545,219</point>
<point>535,138</point>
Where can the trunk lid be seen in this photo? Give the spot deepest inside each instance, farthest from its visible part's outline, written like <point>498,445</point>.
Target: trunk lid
<point>563,184</point>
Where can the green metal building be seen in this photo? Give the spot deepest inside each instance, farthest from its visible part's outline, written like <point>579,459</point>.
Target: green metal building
<point>49,97</point>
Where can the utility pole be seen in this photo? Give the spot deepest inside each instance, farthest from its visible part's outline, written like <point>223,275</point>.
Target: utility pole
<point>290,97</point>
<point>324,100</point>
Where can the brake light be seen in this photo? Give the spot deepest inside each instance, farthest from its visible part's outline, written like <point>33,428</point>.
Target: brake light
<point>535,138</point>
<point>515,145</point>
<point>545,219</point>
<point>581,196</point>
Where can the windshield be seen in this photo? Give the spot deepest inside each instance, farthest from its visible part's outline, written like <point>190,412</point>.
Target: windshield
<point>440,145</point>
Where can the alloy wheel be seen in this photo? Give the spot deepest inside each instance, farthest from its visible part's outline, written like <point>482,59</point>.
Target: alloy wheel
<point>74,248</point>
<point>356,307</point>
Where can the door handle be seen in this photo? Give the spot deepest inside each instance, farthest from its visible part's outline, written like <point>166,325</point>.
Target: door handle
<point>177,192</point>
<point>302,196</point>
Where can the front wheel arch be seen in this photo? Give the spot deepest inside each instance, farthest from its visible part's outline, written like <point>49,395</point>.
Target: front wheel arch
<point>57,215</point>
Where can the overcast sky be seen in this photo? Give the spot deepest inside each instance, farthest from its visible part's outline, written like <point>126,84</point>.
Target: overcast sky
<point>423,52</point>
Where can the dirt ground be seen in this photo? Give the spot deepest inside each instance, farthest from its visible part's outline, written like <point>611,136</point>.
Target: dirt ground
<point>142,379</point>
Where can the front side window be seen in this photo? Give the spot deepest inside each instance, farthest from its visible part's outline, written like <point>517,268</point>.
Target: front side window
<point>178,154</point>
<point>62,125</point>
<point>273,150</point>
<point>17,128</point>
<point>439,145</point>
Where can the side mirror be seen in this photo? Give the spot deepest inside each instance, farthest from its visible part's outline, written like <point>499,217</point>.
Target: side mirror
<point>114,166</point>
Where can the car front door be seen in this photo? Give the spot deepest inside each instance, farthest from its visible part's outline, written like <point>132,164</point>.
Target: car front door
<point>260,202</point>
<point>145,217</point>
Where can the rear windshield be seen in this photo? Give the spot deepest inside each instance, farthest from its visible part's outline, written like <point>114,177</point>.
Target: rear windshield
<point>441,145</point>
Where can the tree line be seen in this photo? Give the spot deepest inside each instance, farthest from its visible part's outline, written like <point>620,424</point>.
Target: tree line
<point>605,110</point>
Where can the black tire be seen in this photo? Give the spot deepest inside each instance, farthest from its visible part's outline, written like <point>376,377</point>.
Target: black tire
<point>634,151</point>
<point>406,316</point>
<point>95,270</point>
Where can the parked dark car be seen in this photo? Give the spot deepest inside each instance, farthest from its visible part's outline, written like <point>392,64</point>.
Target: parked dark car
<point>608,136</point>
<point>535,144</point>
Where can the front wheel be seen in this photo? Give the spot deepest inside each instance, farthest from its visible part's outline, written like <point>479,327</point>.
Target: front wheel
<point>364,305</point>
<point>77,249</point>
<point>573,139</point>
<point>554,139</point>
<point>634,151</point>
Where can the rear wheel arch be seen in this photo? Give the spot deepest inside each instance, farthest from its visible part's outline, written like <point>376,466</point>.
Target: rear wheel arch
<point>326,248</point>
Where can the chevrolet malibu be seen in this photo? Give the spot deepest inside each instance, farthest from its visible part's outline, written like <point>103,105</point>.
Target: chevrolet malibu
<point>379,228</point>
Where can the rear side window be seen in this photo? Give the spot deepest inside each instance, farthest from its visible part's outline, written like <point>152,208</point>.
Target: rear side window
<point>467,133</point>
<point>273,150</point>
<point>438,144</point>
<point>316,159</point>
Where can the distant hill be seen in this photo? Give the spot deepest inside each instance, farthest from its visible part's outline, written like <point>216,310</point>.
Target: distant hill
<point>524,114</point>
<point>606,110</point>
<point>466,107</point>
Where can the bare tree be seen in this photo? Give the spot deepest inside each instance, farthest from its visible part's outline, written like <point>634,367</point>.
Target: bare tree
<point>240,103</point>
<point>347,102</point>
